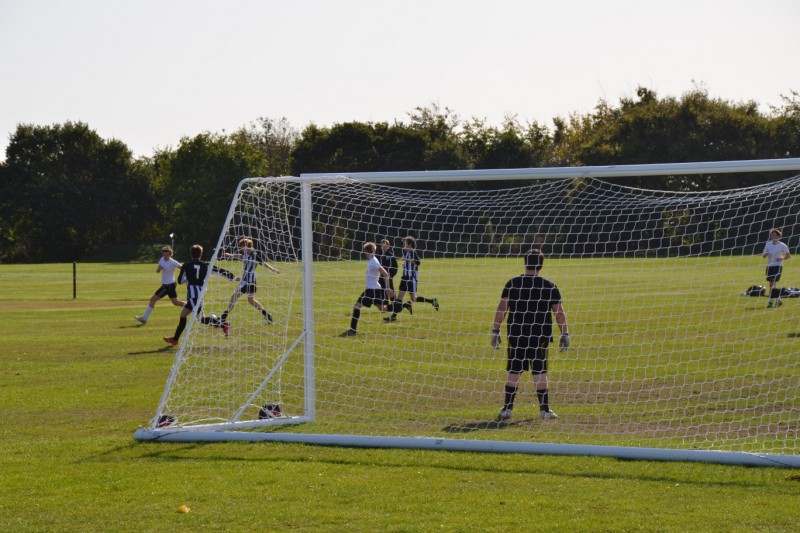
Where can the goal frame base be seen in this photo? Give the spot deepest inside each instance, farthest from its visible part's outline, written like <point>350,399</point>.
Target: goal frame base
<point>457,445</point>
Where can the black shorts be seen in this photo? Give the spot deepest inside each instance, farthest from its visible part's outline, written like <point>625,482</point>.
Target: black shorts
<point>527,353</point>
<point>247,288</point>
<point>408,285</point>
<point>372,296</point>
<point>170,289</point>
<point>774,272</point>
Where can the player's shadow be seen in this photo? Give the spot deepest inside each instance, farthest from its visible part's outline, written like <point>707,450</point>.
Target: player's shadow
<point>166,349</point>
<point>793,335</point>
<point>468,427</point>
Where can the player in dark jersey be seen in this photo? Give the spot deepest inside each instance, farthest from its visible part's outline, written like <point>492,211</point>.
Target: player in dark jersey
<point>409,280</point>
<point>389,262</point>
<point>530,301</point>
<point>194,273</point>
<point>251,259</point>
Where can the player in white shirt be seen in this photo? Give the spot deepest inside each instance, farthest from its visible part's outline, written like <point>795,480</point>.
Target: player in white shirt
<point>373,293</point>
<point>167,267</point>
<point>776,253</point>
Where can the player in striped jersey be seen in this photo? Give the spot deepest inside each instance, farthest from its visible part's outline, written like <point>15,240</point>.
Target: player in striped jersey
<point>194,273</point>
<point>251,259</point>
<point>410,278</point>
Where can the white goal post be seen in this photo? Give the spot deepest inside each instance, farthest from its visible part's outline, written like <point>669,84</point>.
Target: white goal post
<point>668,361</point>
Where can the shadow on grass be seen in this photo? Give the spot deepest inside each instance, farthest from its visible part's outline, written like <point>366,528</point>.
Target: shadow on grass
<point>489,424</point>
<point>357,457</point>
<point>132,326</point>
<point>165,349</point>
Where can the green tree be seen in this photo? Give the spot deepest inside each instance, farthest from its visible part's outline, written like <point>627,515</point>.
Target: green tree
<point>67,193</point>
<point>694,127</point>
<point>439,129</point>
<point>276,139</point>
<point>429,142</point>
<point>198,180</point>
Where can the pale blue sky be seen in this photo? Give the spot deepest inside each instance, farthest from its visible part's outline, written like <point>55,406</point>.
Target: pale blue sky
<point>148,72</point>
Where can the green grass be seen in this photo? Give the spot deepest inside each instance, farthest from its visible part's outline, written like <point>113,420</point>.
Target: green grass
<point>665,354</point>
<point>78,377</point>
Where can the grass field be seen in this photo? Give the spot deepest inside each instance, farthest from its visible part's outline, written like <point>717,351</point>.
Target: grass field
<point>78,377</point>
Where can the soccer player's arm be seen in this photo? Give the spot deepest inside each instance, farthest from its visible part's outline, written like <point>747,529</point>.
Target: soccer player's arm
<point>499,317</point>
<point>224,273</point>
<point>385,275</point>
<point>182,275</point>
<point>561,320</point>
<point>267,265</point>
<point>786,254</point>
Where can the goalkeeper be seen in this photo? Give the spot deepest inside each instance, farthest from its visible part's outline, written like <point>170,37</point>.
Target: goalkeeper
<point>529,301</point>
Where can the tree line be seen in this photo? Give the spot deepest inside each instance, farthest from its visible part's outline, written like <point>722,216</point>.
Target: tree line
<point>66,194</point>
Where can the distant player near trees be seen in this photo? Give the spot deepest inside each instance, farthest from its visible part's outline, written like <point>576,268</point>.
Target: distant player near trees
<point>166,267</point>
<point>776,253</point>
<point>388,261</point>
<point>374,293</point>
<point>194,273</point>
<point>409,280</point>
<point>251,259</point>
<point>530,301</point>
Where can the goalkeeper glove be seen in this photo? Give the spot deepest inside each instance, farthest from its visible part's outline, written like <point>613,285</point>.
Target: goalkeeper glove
<point>563,344</point>
<point>496,338</point>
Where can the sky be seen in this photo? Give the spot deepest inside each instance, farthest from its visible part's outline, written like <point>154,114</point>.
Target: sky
<point>150,72</point>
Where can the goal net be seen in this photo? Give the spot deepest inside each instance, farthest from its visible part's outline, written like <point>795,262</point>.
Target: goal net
<point>667,356</point>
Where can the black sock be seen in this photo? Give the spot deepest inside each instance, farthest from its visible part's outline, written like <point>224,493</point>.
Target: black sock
<point>775,293</point>
<point>354,320</point>
<point>180,328</point>
<point>424,300</point>
<point>511,393</point>
<point>224,317</point>
<point>544,402</point>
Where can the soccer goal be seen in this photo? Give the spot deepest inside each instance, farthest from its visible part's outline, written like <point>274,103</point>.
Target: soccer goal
<point>668,361</point>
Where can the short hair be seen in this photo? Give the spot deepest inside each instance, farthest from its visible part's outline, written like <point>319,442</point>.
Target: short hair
<point>245,241</point>
<point>775,230</point>
<point>534,260</point>
<point>411,241</point>
<point>369,247</point>
<point>196,251</point>
<point>166,249</point>
<point>385,241</point>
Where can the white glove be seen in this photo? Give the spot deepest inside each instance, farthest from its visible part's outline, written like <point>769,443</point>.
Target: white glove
<point>495,339</point>
<point>563,344</point>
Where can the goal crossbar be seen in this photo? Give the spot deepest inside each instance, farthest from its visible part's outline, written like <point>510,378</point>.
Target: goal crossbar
<point>609,171</point>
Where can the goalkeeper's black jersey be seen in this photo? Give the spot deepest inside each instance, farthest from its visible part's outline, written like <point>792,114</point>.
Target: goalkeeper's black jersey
<point>529,306</point>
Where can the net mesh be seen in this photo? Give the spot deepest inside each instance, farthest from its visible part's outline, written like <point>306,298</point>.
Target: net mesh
<point>665,352</point>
